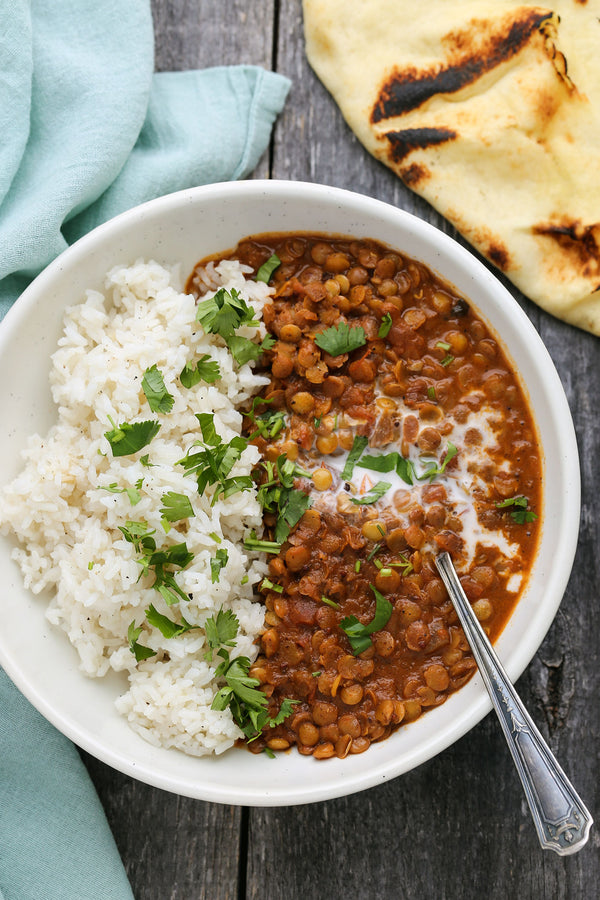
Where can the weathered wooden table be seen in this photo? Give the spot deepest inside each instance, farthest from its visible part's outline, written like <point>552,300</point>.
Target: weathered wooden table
<point>457,827</point>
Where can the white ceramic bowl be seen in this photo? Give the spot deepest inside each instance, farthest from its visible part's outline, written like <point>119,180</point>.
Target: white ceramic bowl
<point>185,227</point>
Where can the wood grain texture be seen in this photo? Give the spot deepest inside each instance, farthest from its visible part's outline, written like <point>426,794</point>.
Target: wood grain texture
<point>457,828</point>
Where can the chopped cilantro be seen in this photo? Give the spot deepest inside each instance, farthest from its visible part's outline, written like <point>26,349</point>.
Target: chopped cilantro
<point>269,423</point>
<point>138,534</point>
<point>341,339</point>
<point>404,468</point>
<point>358,446</point>
<point>244,350</point>
<point>161,563</point>
<point>133,493</point>
<point>389,462</point>
<point>254,543</point>
<point>139,651</point>
<point>434,469</point>
<point>153,386</point>
<point>268,585</point>
<point>222,629</point>
<point>375,494</point>
<point>405,564</point>
<point>521,514</point>
<point>267,268</point>
<point>292,505</point>
<point>128,438</point>
<point>167,627</point>
<point>359,634</point>
<point>218,562</point>
<point>374,551</point>
<point>176,507</point>
<point>213,463</point>
<point>328,602</point>
<point>249,706</point>
<point>279,496</point>
<point>447,360</point>
<point>386,324</point>
<point>223,314</point>
<point>206,369</point>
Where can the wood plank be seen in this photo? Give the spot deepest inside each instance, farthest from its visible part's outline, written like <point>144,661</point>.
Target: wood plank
<point>173,848</point>
<point>458,826</point>
<point>192,34</point>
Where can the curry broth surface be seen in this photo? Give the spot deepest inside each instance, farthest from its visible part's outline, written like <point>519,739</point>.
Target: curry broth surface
<point>430,376</point>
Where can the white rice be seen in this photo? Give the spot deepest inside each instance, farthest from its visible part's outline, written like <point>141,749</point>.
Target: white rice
<point>68,527</point>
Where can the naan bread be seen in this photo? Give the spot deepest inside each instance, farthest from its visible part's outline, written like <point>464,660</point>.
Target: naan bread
<point>490,110</point>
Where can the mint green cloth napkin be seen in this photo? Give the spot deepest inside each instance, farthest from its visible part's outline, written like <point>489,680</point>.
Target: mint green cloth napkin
<point>87,131</point>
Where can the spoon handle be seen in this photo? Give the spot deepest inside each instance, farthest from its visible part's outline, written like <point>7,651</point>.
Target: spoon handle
<point>561,820</point>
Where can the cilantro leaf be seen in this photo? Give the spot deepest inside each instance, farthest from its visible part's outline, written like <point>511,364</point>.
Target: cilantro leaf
<point>206,369</point>
<point>225,312</point>
<point>207,426</point>
<point>162,564</point>
<point>404,468</point>
<point>267,268</point>
<point>285,710</point>
<point>218,562</point>
<point>358,445</point>
<point>243,349</point>
<point>521,514</point>
<point>133,493</point>
<point>389,462</point>
<point>278,495</point>
<point>128,438</point>
<point>167,627</point>
<point>341,339</point>
<point>213,463</point>
<point>434,469</point>
<point>153,386</point>
<point>292,506</point>
<point>222,629</point>
<point>359,634</point>
<point>176,507</point>
<point>138,534</point>
<point>139,651</point>
<point>375,494</point>
<point>386,324</point>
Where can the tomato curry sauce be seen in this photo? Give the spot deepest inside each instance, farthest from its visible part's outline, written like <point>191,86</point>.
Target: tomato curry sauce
<point>404,427</point>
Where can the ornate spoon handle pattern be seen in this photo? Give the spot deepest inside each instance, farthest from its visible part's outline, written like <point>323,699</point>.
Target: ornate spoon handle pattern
<point>561,820</point>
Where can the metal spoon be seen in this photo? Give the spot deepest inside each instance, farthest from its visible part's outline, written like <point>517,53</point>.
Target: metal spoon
<point>561,820</point>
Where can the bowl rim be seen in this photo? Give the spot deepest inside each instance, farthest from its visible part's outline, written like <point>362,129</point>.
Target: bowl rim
<point>569,526</point>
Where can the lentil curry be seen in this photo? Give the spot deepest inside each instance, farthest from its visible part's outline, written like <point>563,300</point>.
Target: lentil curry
<point>394,428</point>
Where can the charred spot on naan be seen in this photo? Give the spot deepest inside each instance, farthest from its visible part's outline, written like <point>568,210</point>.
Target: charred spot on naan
<point>401,143</point>
<point>472,53</point>
<point>414,174</point>
<point>579,243</point>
